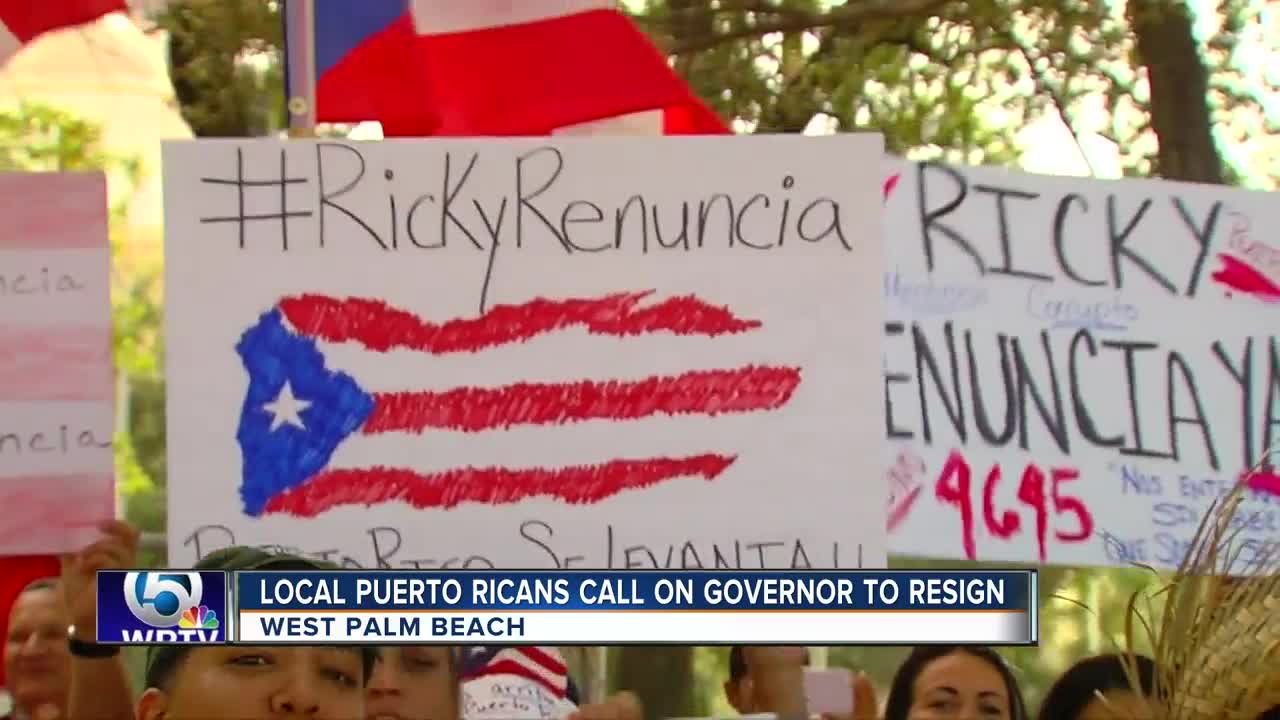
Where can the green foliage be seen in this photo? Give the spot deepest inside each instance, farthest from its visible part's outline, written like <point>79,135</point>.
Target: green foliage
<point>39,138</point>
<point>224,63</point>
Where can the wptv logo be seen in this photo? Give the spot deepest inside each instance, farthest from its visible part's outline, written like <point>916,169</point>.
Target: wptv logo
<point>162,607</point>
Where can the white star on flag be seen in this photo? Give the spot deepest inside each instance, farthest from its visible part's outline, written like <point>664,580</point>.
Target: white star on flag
<point>286,409</point>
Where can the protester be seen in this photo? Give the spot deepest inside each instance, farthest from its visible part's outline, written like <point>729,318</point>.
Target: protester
<point>186,682</point>
<point>960,682</point>
<point>36,658</point>
<point>100,687</point>
<point>771,680</point>
<point>414,683</point>
<point>1100,687</point>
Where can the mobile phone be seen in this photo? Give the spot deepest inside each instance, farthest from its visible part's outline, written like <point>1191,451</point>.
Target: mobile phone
<point>828,691</point>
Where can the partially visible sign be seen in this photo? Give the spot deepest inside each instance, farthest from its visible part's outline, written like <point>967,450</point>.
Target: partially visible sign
<point>1076,369</point>
<point>56,383</point>
<point>510,697</point>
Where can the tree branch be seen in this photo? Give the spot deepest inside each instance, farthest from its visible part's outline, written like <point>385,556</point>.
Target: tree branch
<point>1043,84</point>
<point>845,17</point>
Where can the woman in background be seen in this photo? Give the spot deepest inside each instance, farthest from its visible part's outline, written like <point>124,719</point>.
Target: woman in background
<point>1099,688</point>
<point>954,682</point>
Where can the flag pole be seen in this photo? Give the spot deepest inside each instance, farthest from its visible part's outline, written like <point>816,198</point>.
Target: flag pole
<point>300,66</point>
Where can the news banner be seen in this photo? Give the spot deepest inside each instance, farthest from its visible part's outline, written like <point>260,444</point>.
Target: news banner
<point>567,607</point>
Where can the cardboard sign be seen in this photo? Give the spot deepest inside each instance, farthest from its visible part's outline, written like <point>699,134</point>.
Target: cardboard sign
<point>510,697</point>
<point>56,380</point>
<point>1076,369</point>
<point>603,352</point>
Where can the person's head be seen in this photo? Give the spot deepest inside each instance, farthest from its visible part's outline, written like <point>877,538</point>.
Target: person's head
<point>414,682</point>
<point>194,683</point>
<point>1099,688</point>
<point>37,657</point>
<point>739,689</point>
<point>961,682</point>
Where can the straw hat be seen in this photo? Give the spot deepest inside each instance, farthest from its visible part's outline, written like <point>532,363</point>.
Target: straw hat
<point>1217,642</point>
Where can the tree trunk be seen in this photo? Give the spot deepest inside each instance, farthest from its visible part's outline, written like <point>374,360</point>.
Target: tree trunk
<point>662,677</point>
<point>1179,81</point>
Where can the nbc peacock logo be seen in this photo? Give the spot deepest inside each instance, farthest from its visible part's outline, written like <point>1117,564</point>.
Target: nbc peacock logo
<point>199,618</point>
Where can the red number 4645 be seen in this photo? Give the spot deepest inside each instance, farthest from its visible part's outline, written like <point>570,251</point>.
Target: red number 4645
<point>955,487</point>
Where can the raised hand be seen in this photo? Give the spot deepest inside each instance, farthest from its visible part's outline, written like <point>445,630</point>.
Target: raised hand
<point>115,550</point>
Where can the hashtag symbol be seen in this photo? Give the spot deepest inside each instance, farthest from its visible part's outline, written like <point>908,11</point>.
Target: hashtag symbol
<point>239,182</point>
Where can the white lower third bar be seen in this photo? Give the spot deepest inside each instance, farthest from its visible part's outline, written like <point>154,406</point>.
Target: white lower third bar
<point>614,627</point>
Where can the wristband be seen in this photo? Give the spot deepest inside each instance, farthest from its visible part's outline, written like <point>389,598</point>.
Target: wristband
<point>91,651</point>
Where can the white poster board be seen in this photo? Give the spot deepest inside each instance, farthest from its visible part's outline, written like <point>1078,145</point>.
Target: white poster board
<point>57,480</point>
<point>1075,369</point>
<point>357,370</point>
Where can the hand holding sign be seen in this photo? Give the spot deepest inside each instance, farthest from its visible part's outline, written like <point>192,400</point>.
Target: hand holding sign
<point>115,550</point>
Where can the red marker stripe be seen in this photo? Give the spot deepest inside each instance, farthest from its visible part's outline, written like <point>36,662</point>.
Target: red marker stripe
<point>541,658</point>
<point>708,392</point>
<point>491,486</point>
<point>1245,278</point>
<point>1266,482</point>
<point>380,327</point>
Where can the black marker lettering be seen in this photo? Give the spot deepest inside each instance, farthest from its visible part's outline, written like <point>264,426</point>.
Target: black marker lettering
<point>450,194</point>
<point>327,198</point>
<point>1060,237</point>
<point>1084,419</point>
<point>953,403</point>
<point>1243,375</point>
<point>1175,362</point>
<point>525,201</point>
<point>980,416</point>
<point>1002,217</point>
<point>1119,250</point>
<point>930,217</point>
<point>1203,235</point>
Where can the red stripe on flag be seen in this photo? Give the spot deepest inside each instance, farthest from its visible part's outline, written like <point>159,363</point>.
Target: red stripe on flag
<point>28,19</point>
<point>380,327</point>
<point>707,392</point>
<point>541,657</point>
<point>490,486</point>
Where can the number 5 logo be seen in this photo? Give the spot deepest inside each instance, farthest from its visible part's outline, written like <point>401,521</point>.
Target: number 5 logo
<point>159,599</point>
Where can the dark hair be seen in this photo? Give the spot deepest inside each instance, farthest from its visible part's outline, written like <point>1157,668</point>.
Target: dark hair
<point>45,583</point>
<point>902,691</point>
<point>1076,687</point>
<point>163,661</point>
<point>737,664</point>
<point>1272,714</point>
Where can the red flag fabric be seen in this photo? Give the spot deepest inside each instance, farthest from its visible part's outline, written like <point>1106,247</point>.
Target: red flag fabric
<point>491,68</point>
<point>16,573</point>
<point>22,21</point>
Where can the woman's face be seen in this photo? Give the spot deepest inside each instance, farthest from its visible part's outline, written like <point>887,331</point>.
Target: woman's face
<point>960,686</point>
<point>1118,705</point>
<point>268,683</point>
<point>412,683</point>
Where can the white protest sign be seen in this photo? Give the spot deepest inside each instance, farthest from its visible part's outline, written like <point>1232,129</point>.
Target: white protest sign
<point>511,697</point>
<point>604,352</point>
<point>1075,369</point>
<point>57,479</point>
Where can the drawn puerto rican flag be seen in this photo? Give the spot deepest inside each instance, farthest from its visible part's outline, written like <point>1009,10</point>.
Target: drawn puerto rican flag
<point>331,417</point>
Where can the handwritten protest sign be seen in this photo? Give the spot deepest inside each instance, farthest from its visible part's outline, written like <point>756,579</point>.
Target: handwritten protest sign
<point>56,387</point>
<point>1076,369</point>
<point>605,352</point>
